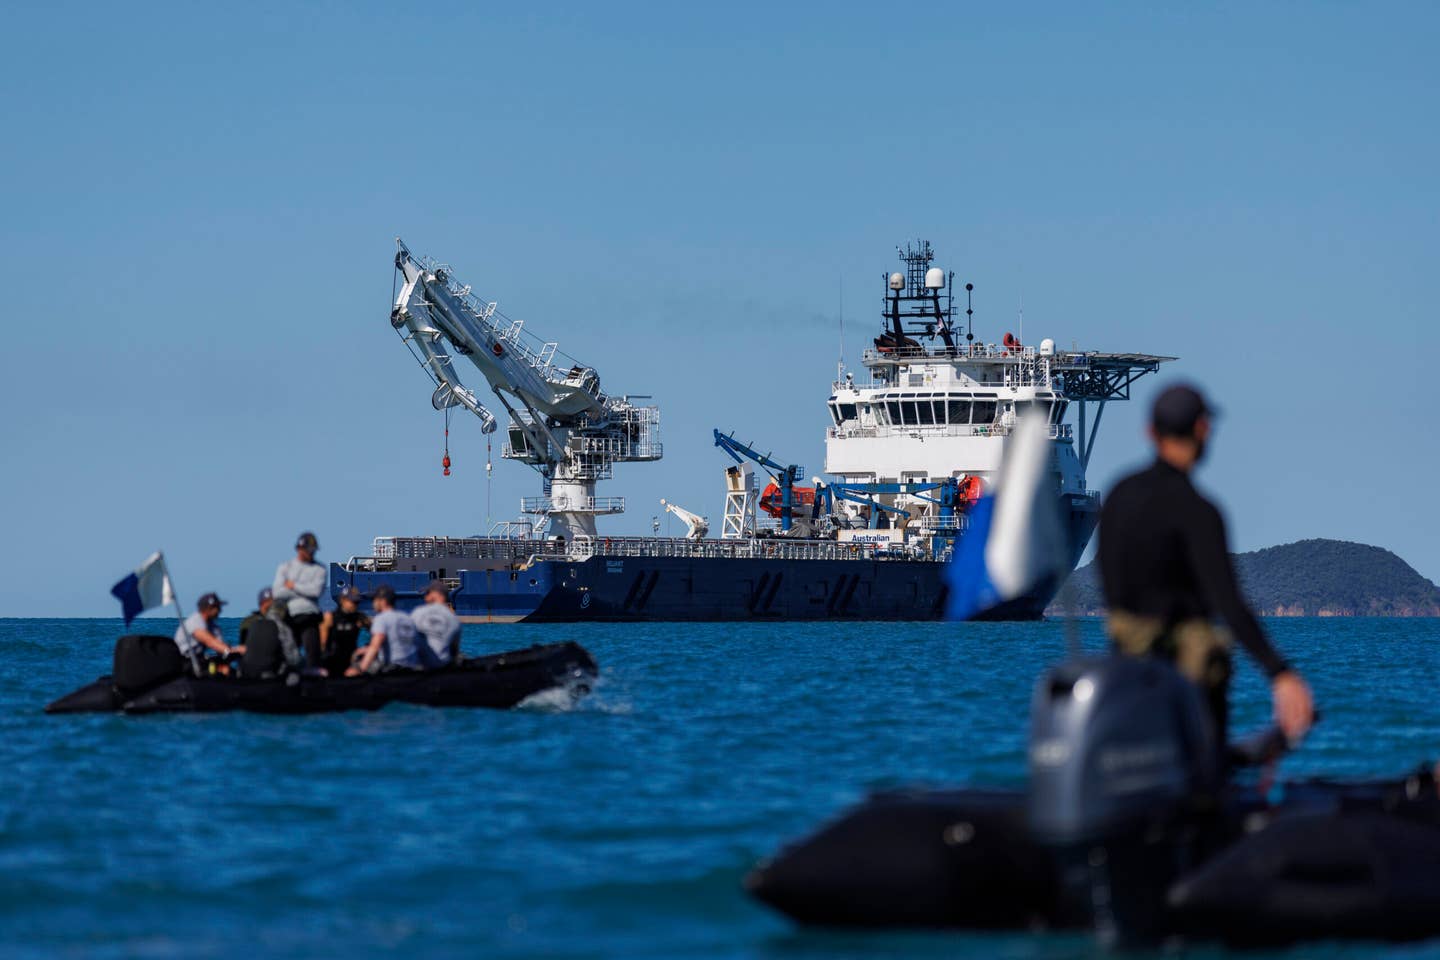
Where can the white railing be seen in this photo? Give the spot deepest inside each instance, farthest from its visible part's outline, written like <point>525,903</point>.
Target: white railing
<point>518,553</point>
<point>1055,431</point>
<point>572,504</point>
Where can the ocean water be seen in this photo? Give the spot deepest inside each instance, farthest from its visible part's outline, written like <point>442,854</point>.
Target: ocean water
<point>617,828</point>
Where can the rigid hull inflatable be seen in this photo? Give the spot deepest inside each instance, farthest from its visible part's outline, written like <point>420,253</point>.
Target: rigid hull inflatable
<point>499,681</point>
<point>1118,833</point>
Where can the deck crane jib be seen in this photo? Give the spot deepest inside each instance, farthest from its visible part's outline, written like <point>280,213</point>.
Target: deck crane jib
<point>561,423</point>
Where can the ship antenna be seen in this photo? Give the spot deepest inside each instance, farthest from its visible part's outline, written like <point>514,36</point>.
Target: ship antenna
<point>969,313</point>
<point>840,367</point>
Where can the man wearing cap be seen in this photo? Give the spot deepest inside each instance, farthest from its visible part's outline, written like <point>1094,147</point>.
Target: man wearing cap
<point>201,631</point>
<point>300,583</point>
<point>392,637</point>
<point>438,625</point>
<point>1167,573</point>
<point>340,631</point>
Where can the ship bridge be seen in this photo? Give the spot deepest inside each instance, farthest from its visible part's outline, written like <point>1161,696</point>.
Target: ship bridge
<point>936,402</point>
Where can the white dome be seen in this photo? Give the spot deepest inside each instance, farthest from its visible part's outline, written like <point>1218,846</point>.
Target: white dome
<point>897,281</point>
<point>934,278</point>
<point>1047,347</point>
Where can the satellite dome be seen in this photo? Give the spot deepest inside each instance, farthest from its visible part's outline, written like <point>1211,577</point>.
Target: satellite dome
<point>897,281</point>
<point>934,278</point>
<point>1047,347</point>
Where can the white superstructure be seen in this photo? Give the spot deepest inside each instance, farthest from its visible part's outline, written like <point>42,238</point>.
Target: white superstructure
<point>932,405</point>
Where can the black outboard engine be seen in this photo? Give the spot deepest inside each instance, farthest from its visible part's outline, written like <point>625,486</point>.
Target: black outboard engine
<point>1122,755</point>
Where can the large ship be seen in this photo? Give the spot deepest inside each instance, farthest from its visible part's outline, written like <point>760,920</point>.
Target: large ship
<point>914,440</point>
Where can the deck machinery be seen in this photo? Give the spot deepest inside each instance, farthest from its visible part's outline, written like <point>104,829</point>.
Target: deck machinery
<point>914,439</point>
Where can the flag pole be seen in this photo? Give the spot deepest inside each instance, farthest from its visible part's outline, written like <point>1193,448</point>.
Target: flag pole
<point>180,613</point>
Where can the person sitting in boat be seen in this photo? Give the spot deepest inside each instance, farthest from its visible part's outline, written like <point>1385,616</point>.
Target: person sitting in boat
<point>1166,571</point>
<point>439,627</point>
<point>201,632</point>
<point>340,632</point>
<point>270,648</point>
<point>392,638</point>
<point>262,606</point>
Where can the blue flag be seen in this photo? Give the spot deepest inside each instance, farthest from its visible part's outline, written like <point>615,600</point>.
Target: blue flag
<point>148,587</point>
<point>1015,540</point>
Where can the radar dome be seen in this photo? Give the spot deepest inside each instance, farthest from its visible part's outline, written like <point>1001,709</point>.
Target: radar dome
<point>897,281</point>
<point>1047,347</point>
<point>934,278</point>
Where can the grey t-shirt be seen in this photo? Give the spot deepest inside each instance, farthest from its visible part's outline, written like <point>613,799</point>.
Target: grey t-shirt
<point>187,642</point>
<point>399,630</point>
<point>441,629</point>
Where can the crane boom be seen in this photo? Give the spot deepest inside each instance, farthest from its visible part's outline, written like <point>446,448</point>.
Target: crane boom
<point>560,422</point>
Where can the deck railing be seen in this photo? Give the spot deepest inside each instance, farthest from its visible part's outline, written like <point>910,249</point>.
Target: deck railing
<point>520,553</point>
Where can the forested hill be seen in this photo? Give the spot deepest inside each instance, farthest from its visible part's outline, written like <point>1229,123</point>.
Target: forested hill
<point>1312,578</point>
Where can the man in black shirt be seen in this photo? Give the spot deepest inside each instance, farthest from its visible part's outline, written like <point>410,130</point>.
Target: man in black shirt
<point>1167,573</point>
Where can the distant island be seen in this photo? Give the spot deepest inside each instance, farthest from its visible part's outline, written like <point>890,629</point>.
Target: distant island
<point>1311,578</point>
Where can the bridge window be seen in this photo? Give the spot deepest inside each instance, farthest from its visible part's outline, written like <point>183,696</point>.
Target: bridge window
<point>1057,411</point>
<point>984,412</point>
<point>847,411</point>
<point>893,408</point>
<point>959,411</point>
<point>926,411</point>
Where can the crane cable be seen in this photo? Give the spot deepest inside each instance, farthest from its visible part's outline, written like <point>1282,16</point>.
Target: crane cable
<point>445,461</point>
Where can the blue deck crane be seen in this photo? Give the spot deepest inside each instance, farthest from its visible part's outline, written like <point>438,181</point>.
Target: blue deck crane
<point>784,475</point>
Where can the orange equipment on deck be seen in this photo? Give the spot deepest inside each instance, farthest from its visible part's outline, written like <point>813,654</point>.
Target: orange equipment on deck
<point>800,497</point>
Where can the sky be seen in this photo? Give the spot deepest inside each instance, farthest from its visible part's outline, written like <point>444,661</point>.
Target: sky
<point>198,209</point>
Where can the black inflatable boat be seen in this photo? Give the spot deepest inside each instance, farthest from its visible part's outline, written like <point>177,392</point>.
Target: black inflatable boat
<point>1129,828</point>
<point>498,680</point>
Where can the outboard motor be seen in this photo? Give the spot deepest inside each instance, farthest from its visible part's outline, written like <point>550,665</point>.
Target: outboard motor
<point>1122,752</point>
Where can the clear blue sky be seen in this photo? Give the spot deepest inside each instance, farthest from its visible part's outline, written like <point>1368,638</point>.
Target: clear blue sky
<point>197,213</point>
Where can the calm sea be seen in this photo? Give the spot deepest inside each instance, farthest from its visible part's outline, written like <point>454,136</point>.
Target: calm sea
<point>619,828</point>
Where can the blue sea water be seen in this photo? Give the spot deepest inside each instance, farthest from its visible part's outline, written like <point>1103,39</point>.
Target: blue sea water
<point>617,828</point>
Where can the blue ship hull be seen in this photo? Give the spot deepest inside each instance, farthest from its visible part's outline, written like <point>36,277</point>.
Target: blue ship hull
<point>504,588</point>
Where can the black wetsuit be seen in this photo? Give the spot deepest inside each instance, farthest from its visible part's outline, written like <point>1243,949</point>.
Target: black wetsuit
<point>264,653</point>
<point>255,617</point>
<point>344,640</point>
<point>1163,555</point>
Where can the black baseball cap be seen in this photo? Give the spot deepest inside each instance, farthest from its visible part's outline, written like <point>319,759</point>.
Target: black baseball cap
<point>208,600</point>
<point>307,541</point>
<point>1178,408</point>
<point>440,587</point>
<point>384,591</point>
<point>265,594</point>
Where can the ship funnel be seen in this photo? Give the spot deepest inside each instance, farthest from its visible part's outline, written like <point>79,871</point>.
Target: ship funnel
<point>934,278</point>
<point>897,281</point>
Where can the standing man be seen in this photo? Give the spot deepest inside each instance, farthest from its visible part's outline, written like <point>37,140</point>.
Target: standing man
<point>439,626</point>
<point>1167,573</point>
<point>392,637</point>
<point>300,583</point>
<point>201,631</point>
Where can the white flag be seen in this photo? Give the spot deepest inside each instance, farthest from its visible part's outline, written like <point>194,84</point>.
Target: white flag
<point>145,589</point>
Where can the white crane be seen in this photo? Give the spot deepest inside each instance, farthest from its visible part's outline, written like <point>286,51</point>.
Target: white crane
<point>696,526</point>
<point>560,421</point>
